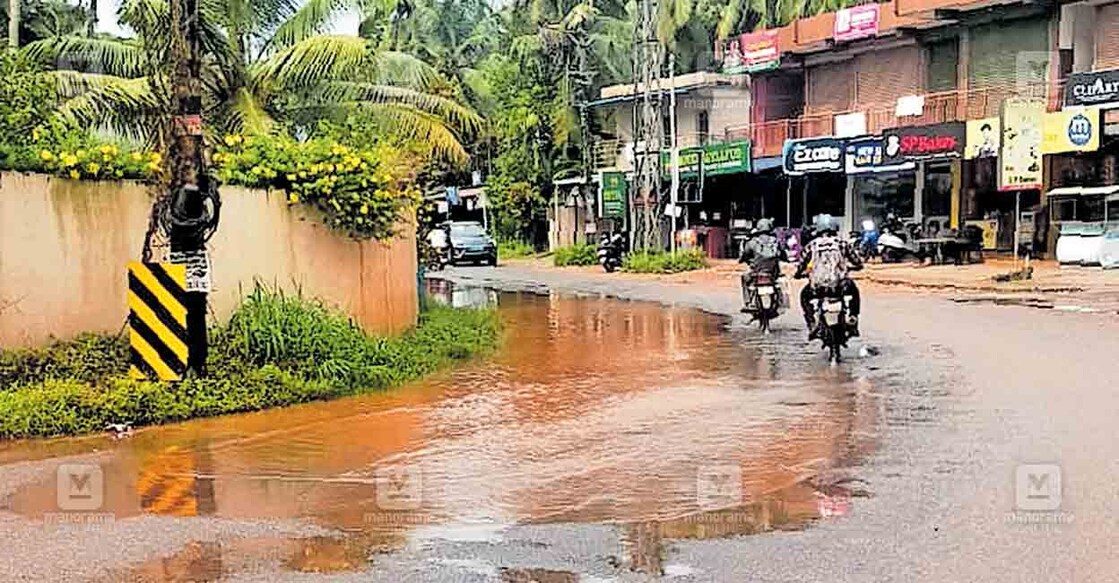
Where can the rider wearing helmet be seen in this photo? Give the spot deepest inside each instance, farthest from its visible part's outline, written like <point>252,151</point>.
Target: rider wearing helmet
<point>832,258</point>
<point>763,255</point>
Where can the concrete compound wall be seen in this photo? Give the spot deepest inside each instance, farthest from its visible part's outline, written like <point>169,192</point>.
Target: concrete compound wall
<point>64,247</point>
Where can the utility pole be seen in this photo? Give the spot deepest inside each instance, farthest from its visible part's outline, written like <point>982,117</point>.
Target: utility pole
<point>675,145</point>
<point>649,127</point>
<point>13,23</point>
<point>189,183</point>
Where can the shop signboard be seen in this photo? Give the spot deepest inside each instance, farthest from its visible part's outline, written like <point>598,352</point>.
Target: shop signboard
<point>813,155</point>
<point>612,193</point>
<point>1093,88</point>
<point>868,154</point>
<point>1020,158</point>
<point>1071,130</point>
<point>760,51</point>
<point>715,159</point>
<point>856,22</point>
<point>943,140</point>
<point>849,125</point>
<point>984,136</point>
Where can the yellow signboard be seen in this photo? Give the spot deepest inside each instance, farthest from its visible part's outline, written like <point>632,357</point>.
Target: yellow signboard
<point>1020,159</point>
<point>1071,130</point>
<point>983,138</point>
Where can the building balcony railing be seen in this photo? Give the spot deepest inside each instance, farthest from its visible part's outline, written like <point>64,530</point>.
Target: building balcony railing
<point>768,138</point>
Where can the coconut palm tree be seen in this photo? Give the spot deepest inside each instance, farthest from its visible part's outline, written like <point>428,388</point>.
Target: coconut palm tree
<point>262,61</point>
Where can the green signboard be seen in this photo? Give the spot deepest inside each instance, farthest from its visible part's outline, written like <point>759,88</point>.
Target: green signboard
<point>717,159</point>
<point>613,189</point>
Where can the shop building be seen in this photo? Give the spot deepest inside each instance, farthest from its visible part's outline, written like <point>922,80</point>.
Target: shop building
<point>716,179</point>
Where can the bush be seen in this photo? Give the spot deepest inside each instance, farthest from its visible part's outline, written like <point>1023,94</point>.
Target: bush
<point>514,249</point>
<point>677,262</point>
<point>585,254</point>
<point>361,192</point>
<point>277,350</point>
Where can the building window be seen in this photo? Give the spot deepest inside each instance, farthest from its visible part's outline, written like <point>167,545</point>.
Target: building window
<point>703,126</point>
<point>936,198</point>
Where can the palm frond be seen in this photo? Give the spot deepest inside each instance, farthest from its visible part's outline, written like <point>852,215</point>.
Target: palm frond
<point>419,127</point>
<point>120,58</point>
<point>314,60</point>
<point>307,22</point>
<point>248,115</point>
<point>449,110</point>
<point>127,106</point>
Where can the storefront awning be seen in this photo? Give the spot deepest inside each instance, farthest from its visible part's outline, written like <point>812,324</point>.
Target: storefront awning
<point>1112,192</point>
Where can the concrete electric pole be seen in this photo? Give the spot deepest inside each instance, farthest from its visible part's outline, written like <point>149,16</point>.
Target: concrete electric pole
<point>13,23</point>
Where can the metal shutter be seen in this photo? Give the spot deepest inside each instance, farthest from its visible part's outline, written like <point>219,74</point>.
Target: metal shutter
<point>942,59</point>
<point>1000,49</point>
<point>831,87</point>
<point>1107,37</point>
<point>886,75</point>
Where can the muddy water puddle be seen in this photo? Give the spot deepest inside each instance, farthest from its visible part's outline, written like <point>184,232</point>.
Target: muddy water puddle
<point>659,421</point>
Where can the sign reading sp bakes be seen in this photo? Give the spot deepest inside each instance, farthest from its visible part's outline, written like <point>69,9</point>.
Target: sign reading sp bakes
<point>1071,130</point>
<point>815,155</point>
<point>1095,88</point>
<point>923,142</point>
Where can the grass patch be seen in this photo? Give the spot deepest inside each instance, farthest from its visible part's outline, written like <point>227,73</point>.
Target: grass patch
<point>277,350</point>
<point>584,254</point>
<point>514,250</point>
<point>677,262</point>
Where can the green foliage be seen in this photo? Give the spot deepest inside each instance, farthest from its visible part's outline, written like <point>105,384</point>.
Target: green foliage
<point>89,358</point>
<point>25,99</point>
<point>361,192</point>
<point>585,254</point>
<point>277,350</point>
<point>677,262</point>
<point>514,249</point>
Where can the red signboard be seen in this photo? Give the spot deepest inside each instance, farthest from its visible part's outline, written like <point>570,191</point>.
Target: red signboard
<point>856,22</point>
<point>760,50</point>
<point>922,142</point>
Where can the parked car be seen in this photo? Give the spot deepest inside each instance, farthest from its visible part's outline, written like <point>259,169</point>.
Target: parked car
<point>471,244</point>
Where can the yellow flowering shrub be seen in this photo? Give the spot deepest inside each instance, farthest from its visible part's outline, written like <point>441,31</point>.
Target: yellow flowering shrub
<point>361,192</point>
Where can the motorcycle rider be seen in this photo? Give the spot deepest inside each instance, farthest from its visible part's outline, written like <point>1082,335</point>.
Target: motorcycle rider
<point>831,258</point>
<point>762,253</point>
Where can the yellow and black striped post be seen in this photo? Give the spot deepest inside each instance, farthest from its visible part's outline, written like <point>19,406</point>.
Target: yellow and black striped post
<point>157,320</point>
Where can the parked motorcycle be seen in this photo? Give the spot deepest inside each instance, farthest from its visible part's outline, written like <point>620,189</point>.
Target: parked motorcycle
<point>868,240</point>
<point>896,245</point>
<point>610,252</point>
<point>764,298</point>
<point>833,323</point>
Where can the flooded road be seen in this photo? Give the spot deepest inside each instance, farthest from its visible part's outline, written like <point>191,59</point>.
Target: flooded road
<point>621,422</point>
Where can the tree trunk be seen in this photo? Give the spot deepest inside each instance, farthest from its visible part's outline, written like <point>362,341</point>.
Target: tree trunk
<point>13,23</point>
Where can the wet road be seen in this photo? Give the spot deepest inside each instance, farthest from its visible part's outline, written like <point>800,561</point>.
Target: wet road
<point>599,419</point>
<point>621,441</point>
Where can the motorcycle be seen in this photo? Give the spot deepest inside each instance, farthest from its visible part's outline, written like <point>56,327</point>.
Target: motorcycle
<point>896,246</point>
<point>763,298</point>
<point>867,242</point>
<point>610,252</point>
<point>833,323</point>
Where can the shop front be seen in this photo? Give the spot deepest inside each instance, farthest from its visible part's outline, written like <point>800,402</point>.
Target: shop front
<point>817,183</point>
<point>715,195</point>
<point>1082,196</point>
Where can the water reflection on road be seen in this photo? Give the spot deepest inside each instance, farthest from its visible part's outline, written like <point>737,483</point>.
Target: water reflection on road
<point>594,411</point>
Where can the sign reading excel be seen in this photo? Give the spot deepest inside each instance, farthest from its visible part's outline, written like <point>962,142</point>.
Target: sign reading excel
<point>612,188</point>
<point>716,160</point>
